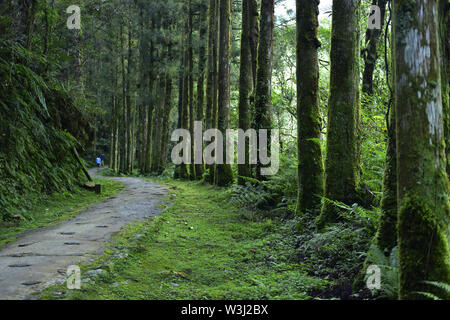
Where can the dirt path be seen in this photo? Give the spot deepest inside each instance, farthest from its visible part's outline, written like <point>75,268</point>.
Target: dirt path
<point>40,257</point>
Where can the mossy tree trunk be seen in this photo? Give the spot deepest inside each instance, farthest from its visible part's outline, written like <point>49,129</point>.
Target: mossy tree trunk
<point>149,86</point>
<point>245,86</point>
<point>423,189</point>
<point>263,94</point>
<point>370,54</point>
<point>386,236</point>
<point>190,62</point>
<point>253,37</point>
<point>166,118</point>
<point>177,171</point>
<point>211,86</point>
<point>203,30</point>
<point>310,166</point>
<point>223,171</point>
<point>341,164</point>
<point>124,120</point>
<point>183,169</point>
<point>157,126</point>
<point>444,23</point>
<point>129,126</point>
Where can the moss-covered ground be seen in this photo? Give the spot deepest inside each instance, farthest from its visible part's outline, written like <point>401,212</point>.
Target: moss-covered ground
<point>200,247</point>
<point>55,208</point>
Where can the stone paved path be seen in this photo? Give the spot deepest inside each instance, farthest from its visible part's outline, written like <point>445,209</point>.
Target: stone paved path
<point>40,257</point>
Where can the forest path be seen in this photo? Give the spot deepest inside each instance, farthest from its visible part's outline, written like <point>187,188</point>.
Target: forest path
<point>40,257</point>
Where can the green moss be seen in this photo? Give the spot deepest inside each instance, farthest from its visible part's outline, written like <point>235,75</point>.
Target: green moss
<point>423,247</point>
<point>199,248</point>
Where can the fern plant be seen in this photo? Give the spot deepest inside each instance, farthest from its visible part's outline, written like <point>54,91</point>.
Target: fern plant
<point>443,288</point>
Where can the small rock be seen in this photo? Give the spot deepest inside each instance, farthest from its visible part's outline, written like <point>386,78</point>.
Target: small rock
<point>95,272</point>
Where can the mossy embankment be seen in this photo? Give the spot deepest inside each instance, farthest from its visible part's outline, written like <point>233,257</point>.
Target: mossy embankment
<point>201,247</point>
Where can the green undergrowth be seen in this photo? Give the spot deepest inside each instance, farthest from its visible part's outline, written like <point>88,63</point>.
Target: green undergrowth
<point>41,125</point>
<point>201,247</point>
<point>51,209</point>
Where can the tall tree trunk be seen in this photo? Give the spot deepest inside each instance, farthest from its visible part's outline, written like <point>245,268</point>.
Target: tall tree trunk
<point>177,171</point>
<point>129,126</point>
<point>183,170</point>
<point>245,88</point>
<point>253,36</point>
<point>192,175</point>
<point>423,225</point>
<point>263,103</point>
<point>224,172</point>
<point>370,54</point>
<point>166,119</point>
<point>444,22</point>
<point>211,87</point>
<point>124,161</point>
<point>157,127</point>
<point>310,167</point>
<point>199,168</point>
<point>386,237</point>
<point>341,165</point>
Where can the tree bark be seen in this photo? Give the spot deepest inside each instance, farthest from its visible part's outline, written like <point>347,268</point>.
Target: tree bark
<point>211,88</point>
<point>370,54</point>
<point>224,172</point>
<point>263,103</point>
<point>341,165</point>
<point>423,208</point>
<point>310,166</point>
<point>199,168</point>
<point>245,87</point>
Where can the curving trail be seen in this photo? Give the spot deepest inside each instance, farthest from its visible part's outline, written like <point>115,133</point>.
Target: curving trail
<point>40,257</point>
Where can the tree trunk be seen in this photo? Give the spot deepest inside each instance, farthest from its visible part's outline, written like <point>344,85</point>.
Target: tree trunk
<point>444,22</point>
<point>341,165</point>
<point>211,88</point>
<point>129,127</point>
<point>263,103</point>
<point>166,119</point>
<point>423,208</point>
<point>224,172</point>
<point>190,61</point>
<point>310,167</point>
<point>157,127</point>
<point>370,54</point>
<point>199,168</point>
<point>245,88</point>
<point>183,170</point>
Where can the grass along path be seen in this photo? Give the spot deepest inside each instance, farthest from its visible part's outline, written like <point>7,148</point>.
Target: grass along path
<point>201,247</point>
